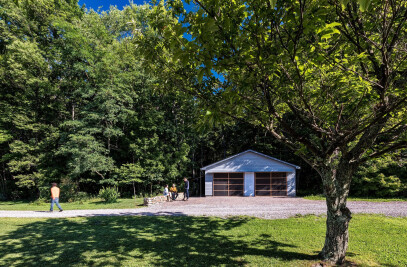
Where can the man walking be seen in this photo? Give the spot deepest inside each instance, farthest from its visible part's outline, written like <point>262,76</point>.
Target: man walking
<point>186,192</point>
<point>55,197</point>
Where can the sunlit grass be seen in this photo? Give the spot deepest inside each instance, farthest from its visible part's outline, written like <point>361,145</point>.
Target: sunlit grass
<point>194,241</point>
<point>322,197</point>
<point>94,203</point>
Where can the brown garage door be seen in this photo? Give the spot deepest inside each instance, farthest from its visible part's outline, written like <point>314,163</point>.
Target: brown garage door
<point>271,183</point>
<point>228,184</point>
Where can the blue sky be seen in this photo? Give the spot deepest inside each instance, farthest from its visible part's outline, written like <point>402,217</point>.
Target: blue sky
<point>105,4</point>
<point>95,4</point>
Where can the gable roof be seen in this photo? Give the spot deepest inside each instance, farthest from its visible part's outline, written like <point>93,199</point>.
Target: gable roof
<point>248,151</point>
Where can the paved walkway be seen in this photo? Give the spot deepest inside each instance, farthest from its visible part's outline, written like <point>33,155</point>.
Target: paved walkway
<point>262,207</point>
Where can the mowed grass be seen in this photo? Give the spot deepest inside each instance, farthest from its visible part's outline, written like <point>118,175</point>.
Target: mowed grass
<point>321,197</point>
<point>95,203</point>
<point>194,241</point>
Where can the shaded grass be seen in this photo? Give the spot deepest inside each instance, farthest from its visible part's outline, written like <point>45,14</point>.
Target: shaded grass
<point>94,203</point>
<point>194,241</point>
<point>322,197</point>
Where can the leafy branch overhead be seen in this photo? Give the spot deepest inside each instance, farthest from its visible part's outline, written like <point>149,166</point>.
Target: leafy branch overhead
<point>326,78</point>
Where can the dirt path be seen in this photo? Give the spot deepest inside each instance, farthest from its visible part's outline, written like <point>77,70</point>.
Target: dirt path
<point>262,207</point>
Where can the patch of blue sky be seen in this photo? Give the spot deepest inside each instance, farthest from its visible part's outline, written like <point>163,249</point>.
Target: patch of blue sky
<point>104,5</point>
<point>220,76</point>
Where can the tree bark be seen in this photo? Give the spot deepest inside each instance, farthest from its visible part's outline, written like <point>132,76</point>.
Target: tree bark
<point>336,182</point>
<point>336,177</point>
<point>337,234</point>
<point>101,175</point>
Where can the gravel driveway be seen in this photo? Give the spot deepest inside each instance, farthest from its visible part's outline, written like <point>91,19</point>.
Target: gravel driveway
<point>262,207</point>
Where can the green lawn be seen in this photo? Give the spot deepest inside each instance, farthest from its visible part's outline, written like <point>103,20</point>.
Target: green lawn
<point>321,197</point>
<point>95,203</point>
<point>194,241</point>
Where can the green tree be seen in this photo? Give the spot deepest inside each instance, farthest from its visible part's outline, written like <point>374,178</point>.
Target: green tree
<point>117,115</point>
<point>130,173</point>
<point>381,177</point>
<point>29,87</point>
<point>338,67</point>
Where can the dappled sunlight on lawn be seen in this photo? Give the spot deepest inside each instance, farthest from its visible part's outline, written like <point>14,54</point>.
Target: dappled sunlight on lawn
<point>140,240</point>
<point>194,241</point>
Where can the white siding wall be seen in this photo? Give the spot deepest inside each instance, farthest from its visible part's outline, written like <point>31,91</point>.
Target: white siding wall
<point>291,184</point>
<point>208,184</point>
<point>248,184</point>
<point>250,162</point>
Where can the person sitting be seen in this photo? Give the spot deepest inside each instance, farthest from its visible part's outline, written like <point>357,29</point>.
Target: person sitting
<point>166,193</point>
<point>174,192</point>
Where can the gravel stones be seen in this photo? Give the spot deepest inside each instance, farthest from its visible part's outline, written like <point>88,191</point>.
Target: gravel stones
<point>261,207</point>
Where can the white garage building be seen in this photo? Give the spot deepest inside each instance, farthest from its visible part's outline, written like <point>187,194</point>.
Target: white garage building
<point>250,173</point>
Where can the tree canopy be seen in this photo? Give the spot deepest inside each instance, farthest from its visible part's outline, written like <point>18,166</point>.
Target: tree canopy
<point>76,102</point>
<point>326,78</point>
<point>141,97</point>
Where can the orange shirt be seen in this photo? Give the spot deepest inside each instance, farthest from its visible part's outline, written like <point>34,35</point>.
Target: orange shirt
<point>54,192</point>
<point>173,189</point>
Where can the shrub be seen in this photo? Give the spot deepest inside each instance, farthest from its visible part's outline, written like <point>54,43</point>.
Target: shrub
<point>382,177</point>
<point>39,202</point>
<point>109,194</point>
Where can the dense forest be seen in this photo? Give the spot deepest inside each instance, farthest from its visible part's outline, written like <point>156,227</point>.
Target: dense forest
<point>80,105</point>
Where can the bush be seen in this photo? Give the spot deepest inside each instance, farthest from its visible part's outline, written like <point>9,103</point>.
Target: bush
<point>109,194</point>
<point>381,177</point>
<point>39,202</point>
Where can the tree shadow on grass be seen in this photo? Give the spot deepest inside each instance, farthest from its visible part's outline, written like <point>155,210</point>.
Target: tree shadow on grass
<point>140,240</point>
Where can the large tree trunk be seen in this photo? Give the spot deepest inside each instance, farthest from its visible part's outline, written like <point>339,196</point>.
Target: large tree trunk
<point>336,187</point>
<point>337,235</point>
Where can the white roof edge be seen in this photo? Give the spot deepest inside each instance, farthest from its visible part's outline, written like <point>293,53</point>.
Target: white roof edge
<point>255,152</point>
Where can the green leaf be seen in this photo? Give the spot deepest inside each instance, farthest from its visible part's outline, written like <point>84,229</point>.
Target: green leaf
<point>5,136</point>
<point>364,4</point>
<point>332,25</point>
<point>273,3</point>
<point>344,3</point>
<point>200,75</point>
